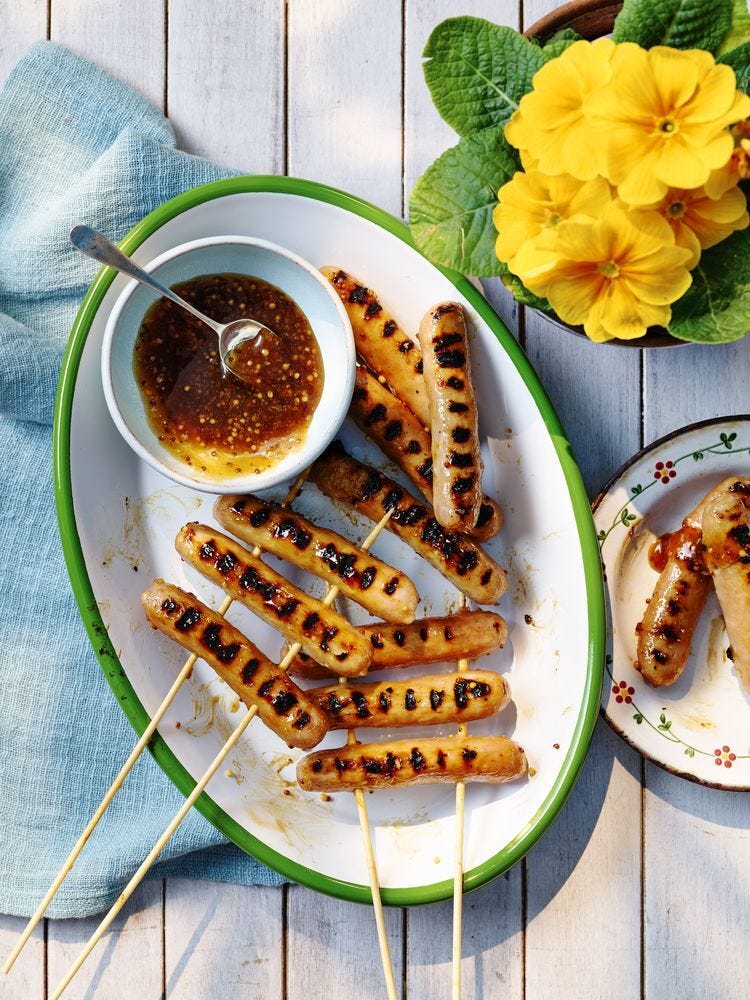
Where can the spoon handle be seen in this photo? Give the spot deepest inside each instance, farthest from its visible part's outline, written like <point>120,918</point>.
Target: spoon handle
<point>96,245</point>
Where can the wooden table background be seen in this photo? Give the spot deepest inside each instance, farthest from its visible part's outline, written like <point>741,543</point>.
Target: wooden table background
<point>641,889</point>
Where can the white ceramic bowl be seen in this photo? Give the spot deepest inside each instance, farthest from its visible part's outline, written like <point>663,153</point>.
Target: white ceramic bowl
<point>243,255</point>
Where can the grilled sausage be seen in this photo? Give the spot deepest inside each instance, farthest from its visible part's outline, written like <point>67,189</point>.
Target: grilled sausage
<point>322,631</point>
<point>666,630</point>
<point>726,537</point>
<point>465,635</point>
<point>420,701</point>
<point>400,435</point>
<point>378,587</point>
<point>456,461</point>
<point>383,345</point>
<point>282,706</point>
<point>456,556</point>
<point>424,761</point>
<point>695,518</point>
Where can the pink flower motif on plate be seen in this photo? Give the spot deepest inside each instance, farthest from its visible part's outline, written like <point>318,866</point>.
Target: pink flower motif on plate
<point>623,693</point>
<point>664,471</point>
<point>723,755</point>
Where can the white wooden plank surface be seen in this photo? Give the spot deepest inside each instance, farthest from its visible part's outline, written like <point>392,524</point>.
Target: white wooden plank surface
<point>28,977</point>
<point>493,927</point>
<point>344,105</point>
<point>22,22</point>
<point>492,947</point>
<point>697,841</point>
<point>127,39</point>
<point>225,82</point>
<point>128,963</point>
<point>223,941</point>
<point>588,868</point>
<point>344,128</point>
<point>584,885</point>
<point>332,949</point>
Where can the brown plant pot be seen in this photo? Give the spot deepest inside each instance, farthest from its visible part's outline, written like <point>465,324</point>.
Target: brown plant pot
<point>591,19</point>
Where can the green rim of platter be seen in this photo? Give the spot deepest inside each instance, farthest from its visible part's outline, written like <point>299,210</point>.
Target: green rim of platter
<point>97,632</point>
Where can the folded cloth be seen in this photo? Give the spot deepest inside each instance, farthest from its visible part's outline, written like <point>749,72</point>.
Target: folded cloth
<point>76,145</point>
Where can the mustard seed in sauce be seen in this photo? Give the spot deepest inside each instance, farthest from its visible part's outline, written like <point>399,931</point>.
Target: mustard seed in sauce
<point>220,424</point>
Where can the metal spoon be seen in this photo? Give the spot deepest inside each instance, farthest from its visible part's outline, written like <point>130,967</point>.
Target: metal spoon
<point>230,335</point>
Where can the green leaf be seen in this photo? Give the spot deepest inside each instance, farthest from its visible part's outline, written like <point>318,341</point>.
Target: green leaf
<point>740,30</point>
<point>559,42</point>
<point>697,456</point>
<point>638,718</point>
<point>739,60</point>
<point>716,307</point>
<point>635,490</point>
<point>450,209</point>
<point>689,752</point>
<point>477,71</point>
<point>683,24</point>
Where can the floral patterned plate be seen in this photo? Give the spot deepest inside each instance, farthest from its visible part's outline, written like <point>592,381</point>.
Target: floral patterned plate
<point>698,727</point>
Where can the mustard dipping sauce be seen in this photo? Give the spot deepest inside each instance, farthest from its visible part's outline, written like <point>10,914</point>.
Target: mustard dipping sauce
<point>221,425</point>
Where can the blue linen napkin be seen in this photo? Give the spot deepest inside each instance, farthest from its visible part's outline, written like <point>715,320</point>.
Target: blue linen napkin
<point>76,145</point>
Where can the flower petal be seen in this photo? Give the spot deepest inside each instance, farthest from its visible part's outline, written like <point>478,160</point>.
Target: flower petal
<point>633,84</point>
<point>677,165</point>
<point>641,186</point>
<point>517,130</point>
<point>715,95</point>
<point>663,279</point>
<point>624,316</point>
<point>685,237</point>
<point>581,151</point>
<point>675,77</point>
<point>573,296</point>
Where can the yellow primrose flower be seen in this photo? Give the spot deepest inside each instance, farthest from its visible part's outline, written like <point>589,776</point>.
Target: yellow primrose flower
<point>531,201</point>
<point>737,167</point>
<point>663,119</point>
<point>613,276</point>
<point>699,222</point>
<point>551,124</point>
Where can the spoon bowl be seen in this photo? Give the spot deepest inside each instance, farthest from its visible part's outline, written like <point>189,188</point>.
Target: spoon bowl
<point>244,331</point>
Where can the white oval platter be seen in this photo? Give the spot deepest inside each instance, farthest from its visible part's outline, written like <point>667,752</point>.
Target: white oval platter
<point>119,517</point>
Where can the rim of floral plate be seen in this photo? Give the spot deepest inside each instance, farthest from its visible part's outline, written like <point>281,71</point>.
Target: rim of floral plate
<point>664,723</point>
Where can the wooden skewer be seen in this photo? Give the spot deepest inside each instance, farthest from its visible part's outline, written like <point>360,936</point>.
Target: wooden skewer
<point>151,856</point>
<point>124,771</point>
<point>364,823</point>
<point>187,806</point>
<point>458,864</point>
<point>113,789</point>
<point>377,902</point>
